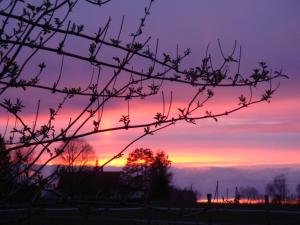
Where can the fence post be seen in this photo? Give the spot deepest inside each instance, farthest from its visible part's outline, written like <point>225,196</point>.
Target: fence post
<point>209,195</point>
<point>209,216</point>
<point>266,199</point>
<point>85,213</point>
<point>267,204</point>
<point>29,214</point>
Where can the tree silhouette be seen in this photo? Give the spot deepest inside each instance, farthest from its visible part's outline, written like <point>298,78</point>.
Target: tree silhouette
<point>148,172</point>
<point>249,193</point>
<point>298,191</point>
<point>6,175</point>
<point>160,177</point>
<point>36,35</point>
<point>76,154</point>
<point>278,189</point>
<point>137,168</point>
<point>12,180</point>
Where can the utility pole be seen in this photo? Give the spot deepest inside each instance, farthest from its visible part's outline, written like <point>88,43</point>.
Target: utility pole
<point>227,194</point>
<point>216,196</point>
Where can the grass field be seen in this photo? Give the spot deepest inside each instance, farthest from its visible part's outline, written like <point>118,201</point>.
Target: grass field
<point>199,214</point>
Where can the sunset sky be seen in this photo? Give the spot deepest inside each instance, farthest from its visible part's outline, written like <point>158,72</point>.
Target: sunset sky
<point>268,31</point>
<point>267,134</point>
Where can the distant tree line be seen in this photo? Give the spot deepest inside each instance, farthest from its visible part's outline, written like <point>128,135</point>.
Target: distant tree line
<point>276,191</point>
<point>145,177</point>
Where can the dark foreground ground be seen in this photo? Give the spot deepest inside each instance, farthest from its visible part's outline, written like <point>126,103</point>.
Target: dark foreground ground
<point>159,215</point>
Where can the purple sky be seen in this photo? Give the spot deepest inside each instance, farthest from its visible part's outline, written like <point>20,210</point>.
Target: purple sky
<point>267,30</point>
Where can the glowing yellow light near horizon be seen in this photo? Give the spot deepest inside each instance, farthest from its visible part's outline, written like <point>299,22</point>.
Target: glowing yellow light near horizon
<point>117,162</point>
<point>200,159</point>
<point>91,163</point>
<point>141,161</point>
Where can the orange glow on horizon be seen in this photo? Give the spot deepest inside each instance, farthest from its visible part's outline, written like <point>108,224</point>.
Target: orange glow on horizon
<point>245,201</point>
<point>92,163</point>
<point>234,158</point>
